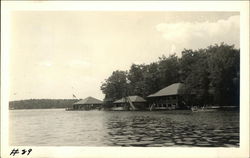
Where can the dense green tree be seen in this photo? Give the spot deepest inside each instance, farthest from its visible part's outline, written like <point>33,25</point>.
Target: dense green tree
<point>115,86</point>
<point>195,77</point>
<point>210,76</point>
<point>136,78</point>
<point>187,63</point>
<point>224,62</point>
<point>168,70</point>
<point>151,78</point>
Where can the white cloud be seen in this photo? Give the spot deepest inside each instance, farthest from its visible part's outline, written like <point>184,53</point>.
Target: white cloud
<point>201,34</point>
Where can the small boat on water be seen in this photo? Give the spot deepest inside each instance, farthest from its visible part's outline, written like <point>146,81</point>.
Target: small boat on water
<point>117,109</point>
<point>204,108</point>
<point>72,109</point>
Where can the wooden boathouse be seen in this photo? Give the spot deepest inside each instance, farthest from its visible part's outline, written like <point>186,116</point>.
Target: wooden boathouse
<point>88,103</point>
<point>167,98</point>
<point>130,103</point>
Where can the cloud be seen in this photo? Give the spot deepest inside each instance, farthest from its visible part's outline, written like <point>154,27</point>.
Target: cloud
<point>194,35</point>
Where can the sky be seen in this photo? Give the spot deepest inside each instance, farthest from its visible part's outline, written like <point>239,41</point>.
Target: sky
<point>55,54</point>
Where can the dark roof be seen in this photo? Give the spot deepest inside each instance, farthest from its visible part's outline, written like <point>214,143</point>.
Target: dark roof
<point>132,98</point>
<point>89,100</point>
<point>169,90</point>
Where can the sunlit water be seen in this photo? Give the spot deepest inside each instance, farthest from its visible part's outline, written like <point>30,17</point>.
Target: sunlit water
<point>57,127</point>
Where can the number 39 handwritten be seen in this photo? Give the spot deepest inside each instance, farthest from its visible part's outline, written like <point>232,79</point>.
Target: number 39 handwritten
<point>23,151</point>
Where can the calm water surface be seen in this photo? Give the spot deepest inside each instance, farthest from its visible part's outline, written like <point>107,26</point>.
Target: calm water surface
<point>57,127</point>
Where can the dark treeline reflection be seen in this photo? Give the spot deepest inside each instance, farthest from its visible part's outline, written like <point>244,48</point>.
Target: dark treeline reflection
<point>210,75</point>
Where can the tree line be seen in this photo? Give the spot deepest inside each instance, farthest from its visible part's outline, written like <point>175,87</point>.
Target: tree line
<point>210,76</point>
<point>41,103</point>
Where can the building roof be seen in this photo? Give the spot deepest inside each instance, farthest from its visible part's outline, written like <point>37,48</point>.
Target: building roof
<point>88,100</point>
<point>169,90</point>
<point>133,99</point>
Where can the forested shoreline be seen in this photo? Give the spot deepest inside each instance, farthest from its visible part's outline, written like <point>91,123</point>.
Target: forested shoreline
<point>210,75</point>
<point>41,103</point>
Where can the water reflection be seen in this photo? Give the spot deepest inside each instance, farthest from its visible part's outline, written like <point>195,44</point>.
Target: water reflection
<point>107,128</point>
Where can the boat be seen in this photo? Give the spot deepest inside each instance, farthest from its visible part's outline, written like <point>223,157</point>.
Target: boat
<point>94,109</point>
<point>72,109</point>
<point>204,108</point>
<point>117,108</point>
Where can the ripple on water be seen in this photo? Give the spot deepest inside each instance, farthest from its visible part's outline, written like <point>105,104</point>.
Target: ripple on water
<point>103,128</point>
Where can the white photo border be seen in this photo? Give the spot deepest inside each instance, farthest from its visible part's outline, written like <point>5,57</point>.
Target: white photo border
<point>91,152</point>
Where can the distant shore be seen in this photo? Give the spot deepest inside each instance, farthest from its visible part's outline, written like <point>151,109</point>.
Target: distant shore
<point>41,104</point>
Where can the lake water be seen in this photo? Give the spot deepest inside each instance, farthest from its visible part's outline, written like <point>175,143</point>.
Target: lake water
<point>57,127</point>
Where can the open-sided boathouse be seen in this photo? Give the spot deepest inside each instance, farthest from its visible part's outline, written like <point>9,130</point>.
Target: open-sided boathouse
<point>166,98</point>
<point>88,103</point>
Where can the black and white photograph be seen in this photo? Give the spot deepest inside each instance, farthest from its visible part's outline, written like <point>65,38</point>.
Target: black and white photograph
<point>134,79</point>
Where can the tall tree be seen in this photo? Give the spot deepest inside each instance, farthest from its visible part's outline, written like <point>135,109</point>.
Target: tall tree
<point>168,70</point>
<point>152,78</point>
<point>224,74</point>
<point>211,75</point>
<point>195,77</point>
<point>137,81</point>
<point>115,87</point>
<point>187,62</point>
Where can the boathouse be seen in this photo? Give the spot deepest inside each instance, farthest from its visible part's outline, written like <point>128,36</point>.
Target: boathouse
<point>166,98</point>
<point>88,103</point>
<point>138,103</point>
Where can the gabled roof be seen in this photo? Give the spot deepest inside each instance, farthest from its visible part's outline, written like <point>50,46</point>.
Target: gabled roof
<point>89,100</point>
<point>169,90</point>
<point>132,98</point>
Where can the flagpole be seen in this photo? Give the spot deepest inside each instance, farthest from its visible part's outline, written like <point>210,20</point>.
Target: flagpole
<point>74,96</point>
